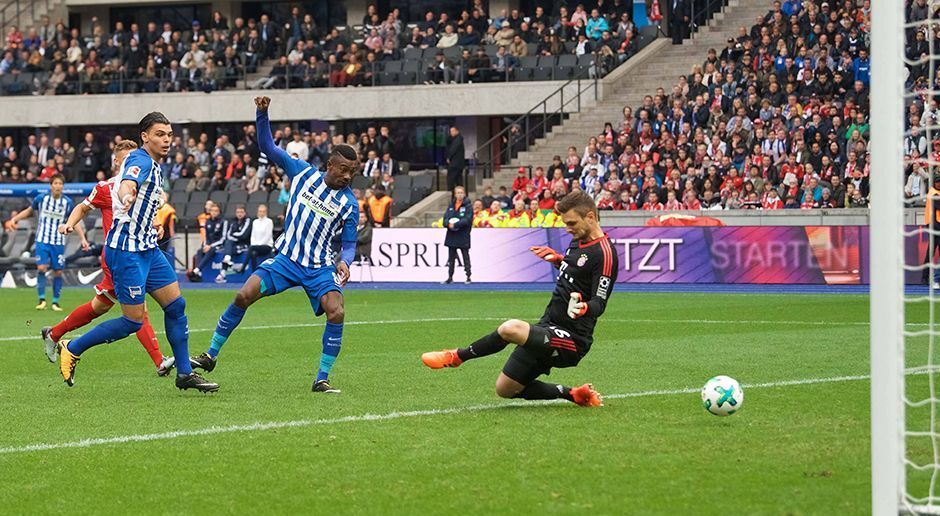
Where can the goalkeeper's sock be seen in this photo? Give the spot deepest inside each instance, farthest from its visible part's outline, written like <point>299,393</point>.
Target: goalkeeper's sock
<point>545,391</point>
<point>227,322</point>
<point>332,342</point>
<point>487,345</point>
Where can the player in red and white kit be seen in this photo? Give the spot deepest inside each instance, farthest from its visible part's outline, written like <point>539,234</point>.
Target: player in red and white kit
<point>105,296</point>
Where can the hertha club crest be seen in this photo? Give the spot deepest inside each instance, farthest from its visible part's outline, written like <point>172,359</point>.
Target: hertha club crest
<point>582,260</point>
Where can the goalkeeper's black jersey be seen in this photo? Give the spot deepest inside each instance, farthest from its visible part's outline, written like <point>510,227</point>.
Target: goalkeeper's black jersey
<point>589,268</point>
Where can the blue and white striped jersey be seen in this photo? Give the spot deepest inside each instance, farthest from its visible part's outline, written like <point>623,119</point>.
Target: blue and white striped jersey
<point>51,212</point>
<point>133,229</point>
<point>315,212</point>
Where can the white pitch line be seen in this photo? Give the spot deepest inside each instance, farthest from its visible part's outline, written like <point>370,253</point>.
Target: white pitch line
<point>452,319</point>
<point>273,425</point>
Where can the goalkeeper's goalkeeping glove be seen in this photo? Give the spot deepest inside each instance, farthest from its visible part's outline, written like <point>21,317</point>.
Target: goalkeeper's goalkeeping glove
<point>576,307</point>
<point>548,254</point>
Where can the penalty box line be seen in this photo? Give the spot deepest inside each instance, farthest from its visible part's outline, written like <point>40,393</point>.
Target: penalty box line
<point>274,425</point>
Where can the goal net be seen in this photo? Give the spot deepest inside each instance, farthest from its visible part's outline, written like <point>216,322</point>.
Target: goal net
<point>905,435</point>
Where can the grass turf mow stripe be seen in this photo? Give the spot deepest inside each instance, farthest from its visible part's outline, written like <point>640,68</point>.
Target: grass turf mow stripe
<point>274,425</point>
<point>453,319</point>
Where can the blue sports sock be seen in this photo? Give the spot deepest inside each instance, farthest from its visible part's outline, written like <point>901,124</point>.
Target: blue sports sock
<point>227,323</point>
<point>332,341</point>
<point>41,285</point>
<point>108,331</point>
<point>177,332</point>
<point>56,288</point>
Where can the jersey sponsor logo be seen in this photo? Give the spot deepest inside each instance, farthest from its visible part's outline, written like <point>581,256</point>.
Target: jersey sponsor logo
<point>132,172</point>
<point>324,209</point>
<point>582,260</point>
<point>603,287</point>
<point>85,279</point>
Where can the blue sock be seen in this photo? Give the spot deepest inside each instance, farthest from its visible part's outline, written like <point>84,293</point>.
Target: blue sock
<point>227,323</point>
<point>56,288</point>
<point>108,331</point>
<point>332,341</point>
<point>41,285</point>
<point>177,332</point>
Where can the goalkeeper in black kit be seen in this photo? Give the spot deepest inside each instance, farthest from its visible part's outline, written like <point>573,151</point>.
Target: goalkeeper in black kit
<point>561,338</point>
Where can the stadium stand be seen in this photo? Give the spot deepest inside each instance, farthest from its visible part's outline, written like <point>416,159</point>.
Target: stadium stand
<point>295,52</point>
<point>778,118</point>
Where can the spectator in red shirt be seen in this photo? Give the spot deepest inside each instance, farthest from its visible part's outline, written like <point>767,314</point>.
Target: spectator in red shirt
<point>519,184</point>
<point>625,202</point>
<point>652,203</point>
<point>558,181</point>
<point>691,201</point>
<point>672,203</point>
<point>772,202</point>
<point>539,181</point>
<point>547,201</point>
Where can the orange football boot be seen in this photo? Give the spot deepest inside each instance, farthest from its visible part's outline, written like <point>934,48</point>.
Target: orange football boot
<point>441,359</point>
<point>586,396</point>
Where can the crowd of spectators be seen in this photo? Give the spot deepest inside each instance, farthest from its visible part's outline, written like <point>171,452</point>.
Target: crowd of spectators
<point>489,47</point>
<point>777,119</point>
<point>215,54</point>
<point>205,56</point>
<point>200,164</point>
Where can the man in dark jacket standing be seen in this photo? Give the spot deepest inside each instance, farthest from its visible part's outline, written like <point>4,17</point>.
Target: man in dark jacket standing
<point>455,159</point>
<point>458,219</point>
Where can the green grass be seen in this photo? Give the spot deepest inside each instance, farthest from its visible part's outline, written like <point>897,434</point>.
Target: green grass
<point>797,449</point>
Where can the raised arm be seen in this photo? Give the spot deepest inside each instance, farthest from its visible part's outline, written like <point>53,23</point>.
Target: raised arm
<point>20,215</point>
<point>278,156</point>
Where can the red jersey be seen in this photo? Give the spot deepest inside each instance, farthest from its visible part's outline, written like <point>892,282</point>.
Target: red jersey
<point>100,197</point>
<point>775,204</point>
<point>648,206</point>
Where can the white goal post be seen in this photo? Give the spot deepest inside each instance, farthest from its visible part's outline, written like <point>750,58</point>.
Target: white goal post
<point>887,258</point>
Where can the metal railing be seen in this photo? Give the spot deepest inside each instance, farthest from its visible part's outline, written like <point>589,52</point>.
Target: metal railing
<point>29,83</point>
<point>375,74</point>
<point>521,132</point>
<point>701,12</point>
<point>11,12</point>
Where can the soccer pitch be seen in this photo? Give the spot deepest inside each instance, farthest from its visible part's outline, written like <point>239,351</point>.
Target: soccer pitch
<point>405,439</point>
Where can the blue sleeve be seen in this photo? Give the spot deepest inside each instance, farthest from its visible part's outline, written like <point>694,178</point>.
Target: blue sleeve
<point>350,232</point>
<point>351,222</point>
<point>136,168</point>
<point>277,155</point>
<point>37,202</point>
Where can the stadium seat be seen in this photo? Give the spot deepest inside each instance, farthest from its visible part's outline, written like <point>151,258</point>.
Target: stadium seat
<point>258,197</point>
<point>403,182</point>
<point>179,185</point>
<point>543,73</point>
<point>276,210</point>
<point>411,53</point>
<point>425,181</point>
<point>17,243</point>
<point>238,197</point>
<point>529,61</point>
<point>199,198</point>
<point>452,53</point>
<point>219,196</point>
<point>361,182</point>
<point>272,197</point>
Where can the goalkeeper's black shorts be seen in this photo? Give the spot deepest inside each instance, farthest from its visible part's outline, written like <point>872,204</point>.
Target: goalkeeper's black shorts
<point>548,346</point>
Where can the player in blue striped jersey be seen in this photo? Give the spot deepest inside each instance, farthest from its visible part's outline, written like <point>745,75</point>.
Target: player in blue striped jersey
<point>137,265</point>
<point>320,205</point>
<point>53,209</point>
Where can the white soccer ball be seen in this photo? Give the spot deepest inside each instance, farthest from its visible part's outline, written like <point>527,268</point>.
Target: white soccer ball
<point>722,396</point>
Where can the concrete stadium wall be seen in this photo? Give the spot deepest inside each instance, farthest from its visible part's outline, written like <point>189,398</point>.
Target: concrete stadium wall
<point>305,104</point>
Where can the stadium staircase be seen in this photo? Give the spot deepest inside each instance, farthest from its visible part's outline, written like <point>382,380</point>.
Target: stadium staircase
<point>658,65</point>
<point>29,13</point>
